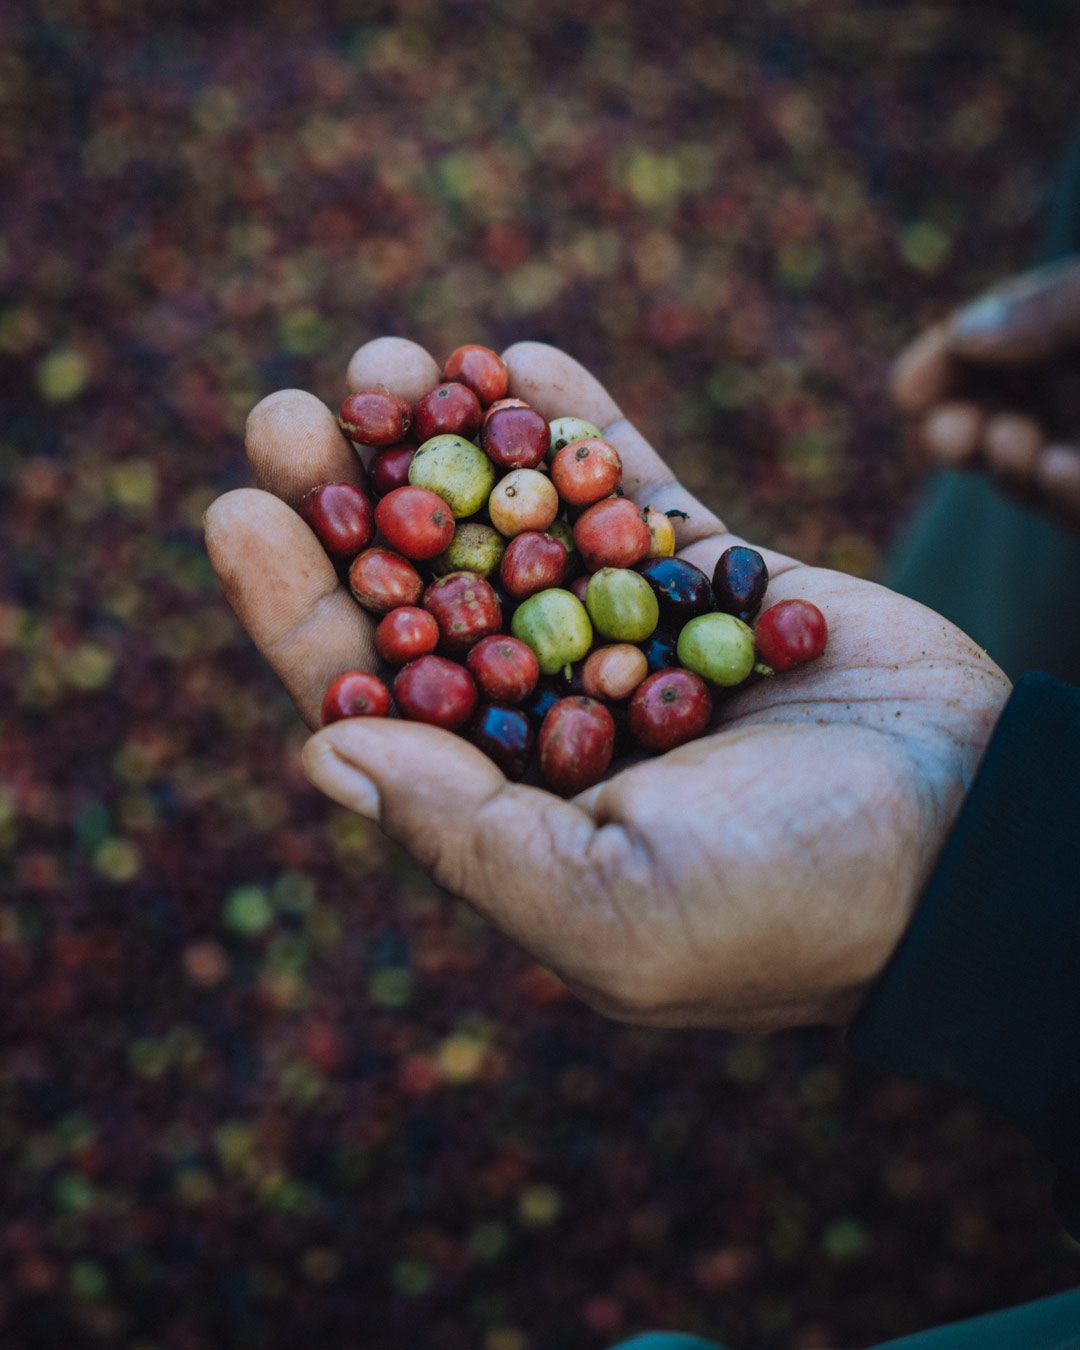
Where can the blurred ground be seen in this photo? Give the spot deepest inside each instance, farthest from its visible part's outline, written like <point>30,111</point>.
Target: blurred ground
<point>260,1085</point>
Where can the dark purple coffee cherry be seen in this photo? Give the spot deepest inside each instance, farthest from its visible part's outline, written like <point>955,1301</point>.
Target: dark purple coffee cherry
<point>682,590</point>
<point>740,581</point>
<point>505,735</point>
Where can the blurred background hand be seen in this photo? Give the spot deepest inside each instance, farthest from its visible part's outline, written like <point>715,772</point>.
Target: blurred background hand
<point>996,387</point>
<point>755,879</point>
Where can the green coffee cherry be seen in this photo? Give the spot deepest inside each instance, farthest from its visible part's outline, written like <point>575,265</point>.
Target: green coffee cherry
<point>555,624</point>
<point>622,605</point>
<point>718,647</point>
<point>457,470</point>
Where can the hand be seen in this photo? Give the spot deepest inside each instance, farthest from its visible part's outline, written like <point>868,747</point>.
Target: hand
<point>755,879</point>
<point>996,387</point>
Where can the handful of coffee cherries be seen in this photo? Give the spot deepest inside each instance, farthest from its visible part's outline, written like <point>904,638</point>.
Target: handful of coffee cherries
<point>523,600</point>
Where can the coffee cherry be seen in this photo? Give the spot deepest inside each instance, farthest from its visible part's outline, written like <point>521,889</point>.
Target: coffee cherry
<point>661,650</point>
<point>340,517</point>
<point>566,429</point>
<point>580,586</point>
<point>524,500</point>
<point>621,605</point>
<point>576,743</point>
<point>555,624</point>
<point>505,735</point>
<point>791,633</point>
<point>355,694</point>
<point>669,708</point>
<point>435,690</point>
<point>465,608</point>
<point>740,581</point>
<point>718,647</point>
<point>611,534</point>
<point>415,521</point>
<point>542,699</point>
<point>514,437</point>
<point>474,548</point>
<point>505,668</point>
<point>405,634</point>
<point>682,589</point>
<point>661,532</point>
<point>390,467</point>
<point>457,470</point>
<point>533,562</point>
<point>614,672</point>
<point>586,471</point>
<point>375,417</point>
<point>448,409</point>
<point>382,580</point>
<point>483,370</point>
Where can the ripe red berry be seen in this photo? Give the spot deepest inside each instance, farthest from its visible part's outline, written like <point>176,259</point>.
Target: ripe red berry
<point>586,471</point>
<point>405,634</point>
<point>669,708</point>
<point>382,580</point>
<point>340,517</point>
<point>448,409</point>
<point>483,370</point>
<point>375,417</point>
<point>611,534</point>
<point>355,694</point>
<point>576,743</point>
<point>505,735</point>
<point>533,562</point>
<point>435,690</point>
<point>465,608</point>
<point>390,468</point>
<point>415,521</point>
<point>504,667</point>
<point>790,634</point>
<point>515,437</point>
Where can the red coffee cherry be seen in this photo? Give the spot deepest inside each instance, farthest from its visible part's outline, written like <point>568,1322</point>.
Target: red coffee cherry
<point>448,409</point>
<point>611,534</point>
<point>375,417</point>
<point>382,580</point>
<point>791,633</point>
<point>390,468</point>
<point>576,743</point>
<point>415,521</point>
<point>504,667</point>
<point>533,562</point>
<point>483,370</point>
<point>405,634</point>
<point>669,708</point>
<point>586,471</point>
<point>436,691</point>
<point>355,694</point>
<point>515,437</point>
<point>340,517</point>
<point>465,608</point>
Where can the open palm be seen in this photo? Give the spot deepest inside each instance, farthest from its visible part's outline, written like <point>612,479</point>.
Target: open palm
<point>757,878</point>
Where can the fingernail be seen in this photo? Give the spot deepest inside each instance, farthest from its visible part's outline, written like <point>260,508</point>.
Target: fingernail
<point>343,782</point>
<point>983,317</point>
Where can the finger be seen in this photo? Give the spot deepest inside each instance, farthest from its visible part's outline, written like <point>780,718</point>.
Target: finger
<point>1027,319</point>
<point>284,590</point>
<point>526,859</point>
<point>558,386</point>
<point>403,366</point>
<point>950,433</point>
<point>294,443</point>
<point>924,372</point>
<point>1057,474</point>
<point>1011,443</point>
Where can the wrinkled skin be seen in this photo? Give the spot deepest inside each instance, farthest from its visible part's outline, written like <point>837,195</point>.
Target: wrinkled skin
<point>755,879</point>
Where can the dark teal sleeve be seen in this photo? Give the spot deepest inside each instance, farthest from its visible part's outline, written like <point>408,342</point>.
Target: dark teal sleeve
<point>984,990</point>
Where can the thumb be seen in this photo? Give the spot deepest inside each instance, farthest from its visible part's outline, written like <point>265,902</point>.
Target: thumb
<point>1027,319</point>
<point>526,859</point>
